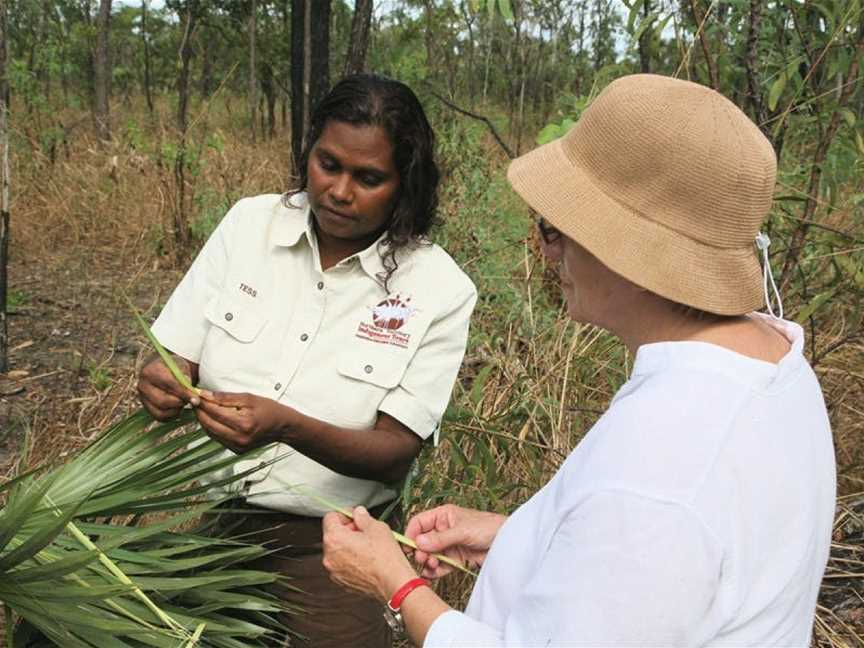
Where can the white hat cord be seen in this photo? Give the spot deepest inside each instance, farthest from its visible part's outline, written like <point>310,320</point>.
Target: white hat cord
<point>763,243</point>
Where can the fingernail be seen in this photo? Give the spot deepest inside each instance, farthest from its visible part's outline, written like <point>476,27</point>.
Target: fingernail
<point>362,509</point>
<point>195,401</point>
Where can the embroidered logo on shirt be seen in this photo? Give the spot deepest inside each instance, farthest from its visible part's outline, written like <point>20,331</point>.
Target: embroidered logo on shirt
<point>249,290</point>
<point>387,318</point>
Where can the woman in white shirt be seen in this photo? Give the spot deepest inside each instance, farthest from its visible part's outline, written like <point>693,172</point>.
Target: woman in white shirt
<point>698,510</point>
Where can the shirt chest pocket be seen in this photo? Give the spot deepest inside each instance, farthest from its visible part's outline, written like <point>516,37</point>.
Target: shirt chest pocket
<point>236,319</point>
<point>229,352</point>
<point>376,367</point>
<point>367,374</point>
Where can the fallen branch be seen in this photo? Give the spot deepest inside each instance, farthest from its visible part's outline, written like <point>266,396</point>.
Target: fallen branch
<point>485,120</point>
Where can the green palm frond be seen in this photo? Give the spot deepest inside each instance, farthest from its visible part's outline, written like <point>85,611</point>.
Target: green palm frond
<point>90,554</point>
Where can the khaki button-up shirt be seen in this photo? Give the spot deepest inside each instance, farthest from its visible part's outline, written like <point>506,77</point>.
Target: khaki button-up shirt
<point>258,315</point>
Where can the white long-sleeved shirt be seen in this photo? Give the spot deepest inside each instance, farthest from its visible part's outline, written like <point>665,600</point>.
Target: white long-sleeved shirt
<point>696,512</point>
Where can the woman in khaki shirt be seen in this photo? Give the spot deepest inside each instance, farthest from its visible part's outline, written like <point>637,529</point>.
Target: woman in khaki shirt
<point>325,323</point>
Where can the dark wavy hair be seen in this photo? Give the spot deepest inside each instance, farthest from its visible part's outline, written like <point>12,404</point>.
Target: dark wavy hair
<point>372,100</point>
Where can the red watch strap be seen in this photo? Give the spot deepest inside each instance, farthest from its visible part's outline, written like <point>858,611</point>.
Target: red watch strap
<point>395,601</point>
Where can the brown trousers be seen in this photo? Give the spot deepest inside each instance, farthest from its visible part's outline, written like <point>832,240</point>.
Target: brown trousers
<point>327,615</point>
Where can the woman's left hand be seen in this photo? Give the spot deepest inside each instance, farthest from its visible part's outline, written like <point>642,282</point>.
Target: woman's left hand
<point>241,422</point>
<point>363,555</point>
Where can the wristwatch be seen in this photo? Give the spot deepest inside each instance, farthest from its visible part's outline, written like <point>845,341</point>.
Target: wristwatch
<point>393,609</point>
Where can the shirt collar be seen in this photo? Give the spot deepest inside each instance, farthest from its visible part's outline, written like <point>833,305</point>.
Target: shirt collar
<point>295,221</point>
<point>371,262</point>
<point>704,356</point>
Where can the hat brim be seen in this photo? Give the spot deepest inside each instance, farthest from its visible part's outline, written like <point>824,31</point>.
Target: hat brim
<point>725,281</point>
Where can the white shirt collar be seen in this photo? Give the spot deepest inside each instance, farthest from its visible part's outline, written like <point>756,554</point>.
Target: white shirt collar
<point>651,358</point>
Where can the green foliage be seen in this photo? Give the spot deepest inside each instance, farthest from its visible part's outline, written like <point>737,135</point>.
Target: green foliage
<point>211,207</point>
<point>15,299</point>
<point>492,6</point>
<point>100,377</point>
<point>75,566</point>
<point>133,136</point>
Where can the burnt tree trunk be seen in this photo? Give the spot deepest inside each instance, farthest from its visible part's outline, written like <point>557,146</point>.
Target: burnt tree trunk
<point>310,70</point>
<point>102,73</point>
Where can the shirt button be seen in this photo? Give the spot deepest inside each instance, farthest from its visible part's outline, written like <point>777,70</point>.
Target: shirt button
<point>304,337</point>
<point>277,386</point>
<point>229,316</point>
<point>368,368</point>
<point>320,285</point>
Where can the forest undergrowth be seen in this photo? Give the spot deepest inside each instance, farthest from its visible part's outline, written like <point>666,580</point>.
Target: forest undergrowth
<point>90,220</point>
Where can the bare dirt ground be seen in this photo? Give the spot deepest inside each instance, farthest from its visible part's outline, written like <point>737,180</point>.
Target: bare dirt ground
<point>74,348</point>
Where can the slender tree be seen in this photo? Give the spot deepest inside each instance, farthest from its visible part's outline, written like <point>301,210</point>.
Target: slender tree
<point>310,54</point>
<point>145,42</point>
<point>700,21</point>
<point>645,39</point>
<point>355,61</point>
<point>188,22</point>
<point>189,18</point>
<point>4,189</point>
<point>253,83</point>
<point>102,72</point>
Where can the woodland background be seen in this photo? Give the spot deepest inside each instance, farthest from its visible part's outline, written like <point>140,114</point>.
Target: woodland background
<point>127,129</point>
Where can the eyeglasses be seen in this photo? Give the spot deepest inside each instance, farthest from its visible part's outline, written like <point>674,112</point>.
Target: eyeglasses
<point>548,233</point>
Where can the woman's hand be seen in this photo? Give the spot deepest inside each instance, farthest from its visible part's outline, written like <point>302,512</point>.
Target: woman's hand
<point>242,422</point>
<point>363,555</point>
<point>464,535</point>
<point>160,393</point>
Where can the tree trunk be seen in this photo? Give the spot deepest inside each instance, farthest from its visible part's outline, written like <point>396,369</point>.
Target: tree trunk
<point>298,37</point>
<point>253,84</point>
<point>4,191</point>
<point>710,63</point>
<point>751,60</point>
<point>580,50</point>
<point>206,86</point>
<point>284,71</point>
<point>269,90</point>
<point>188,21</point>
<point>469,24</point>
<point>428,12</point>
<point>645,41</point>
<point>319,55</point>
<point>310,69</point>
<point>146,44</point>
<point>102,76</point>
<point>488,58</point>
<point>358,44</point>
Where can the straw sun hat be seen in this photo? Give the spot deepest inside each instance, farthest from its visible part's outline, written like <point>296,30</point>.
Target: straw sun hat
<point>666,182</point>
